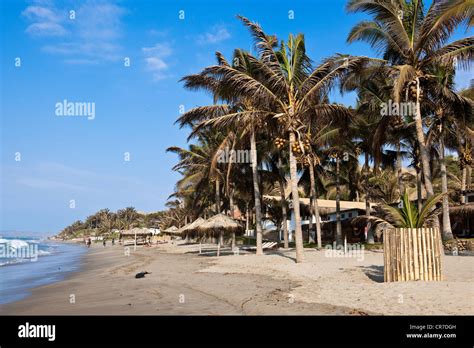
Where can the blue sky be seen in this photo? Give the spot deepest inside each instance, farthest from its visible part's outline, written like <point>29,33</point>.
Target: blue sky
<point>81,59</point>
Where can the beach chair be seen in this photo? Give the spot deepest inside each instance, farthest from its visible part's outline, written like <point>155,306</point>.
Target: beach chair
<point>265,246</point>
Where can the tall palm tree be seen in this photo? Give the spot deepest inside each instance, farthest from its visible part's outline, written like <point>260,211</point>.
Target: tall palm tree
<point>320,137</point>
<point>413,40</point>
<point>278,169</point>
<point>464,130</point>
<point>239,109</point>
<point>280,85</point>
<point>449,109</point>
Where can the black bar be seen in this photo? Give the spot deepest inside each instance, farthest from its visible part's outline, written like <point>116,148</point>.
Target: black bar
<point>207,330</point>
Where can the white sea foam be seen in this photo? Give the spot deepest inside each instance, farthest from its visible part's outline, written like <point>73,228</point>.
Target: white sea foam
<point>15,243</point>
<point>44,252</point>
<point>13,251</point>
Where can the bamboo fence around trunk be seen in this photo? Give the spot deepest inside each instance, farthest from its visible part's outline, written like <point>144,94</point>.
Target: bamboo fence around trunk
<point>412,254</point>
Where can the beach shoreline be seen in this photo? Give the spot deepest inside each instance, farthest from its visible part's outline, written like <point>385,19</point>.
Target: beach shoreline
<point>39,262</point>
<point>183,283</point>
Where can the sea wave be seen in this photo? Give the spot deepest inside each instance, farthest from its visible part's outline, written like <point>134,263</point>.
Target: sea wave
<point>14,251</point>
<point>44,252</point>
<point>15,243</point>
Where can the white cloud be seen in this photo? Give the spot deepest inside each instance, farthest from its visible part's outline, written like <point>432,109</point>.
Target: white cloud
<point>100,21</point>
<point>215,35</point>
<point>91,38</point>
<point>155,63</point>
<point>155,60</point>
<point>45,21</point>
<point>46,29</point>
<point>41,13</point>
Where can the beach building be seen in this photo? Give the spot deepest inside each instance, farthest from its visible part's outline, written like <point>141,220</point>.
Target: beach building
<point>327,209</point>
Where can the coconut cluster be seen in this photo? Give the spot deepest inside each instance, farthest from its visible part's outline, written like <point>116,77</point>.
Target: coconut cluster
<point>279,142</point>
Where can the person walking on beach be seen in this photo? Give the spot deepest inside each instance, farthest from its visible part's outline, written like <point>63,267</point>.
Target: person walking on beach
<point>89,242</point>
<point>103,242</point>
<point>113,241</point>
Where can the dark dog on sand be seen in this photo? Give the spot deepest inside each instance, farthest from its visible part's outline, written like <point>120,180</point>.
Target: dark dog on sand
<point>141,274</point>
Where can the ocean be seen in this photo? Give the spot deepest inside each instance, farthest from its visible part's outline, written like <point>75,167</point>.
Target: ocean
<point>26,263</point>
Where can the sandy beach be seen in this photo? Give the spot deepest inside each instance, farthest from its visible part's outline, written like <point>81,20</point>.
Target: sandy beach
<point>183,283</point>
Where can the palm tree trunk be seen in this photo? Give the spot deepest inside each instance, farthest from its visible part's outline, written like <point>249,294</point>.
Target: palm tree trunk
<point>296,202</point>
<point>367,204</point>
<point>425,162</point>
<point>338,205</point>
<point>314,201</point>
<point>463,185</point>
<point>256,189</point>
<point>247,217</point>
<point>310,221</point>
<point>447,232</point>
<point>284,213</point>
<point>419,197</point>
<point>231,207</point>
<point>399,170</point>
<point>468,177</point>
<point>218,196</point>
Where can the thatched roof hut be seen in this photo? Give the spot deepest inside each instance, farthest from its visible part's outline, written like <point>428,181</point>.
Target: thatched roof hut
<point>190,227</point>
<point>217,225</point>
<point>136,231</point>
<point>171,230</point>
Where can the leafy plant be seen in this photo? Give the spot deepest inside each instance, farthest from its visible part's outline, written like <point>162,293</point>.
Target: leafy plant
<point>408,215</point>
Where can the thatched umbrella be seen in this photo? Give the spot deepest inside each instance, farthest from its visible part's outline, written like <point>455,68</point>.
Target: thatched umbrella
<point>171,230</point>
<point>189,231</point>
<point>136,231</point>
<point>464,210</point>
<point>219,225</point>
<point>189,228</point>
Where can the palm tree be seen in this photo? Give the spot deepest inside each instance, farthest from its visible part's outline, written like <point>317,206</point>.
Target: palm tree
<point>240,110</point>
<point>464,131</point>
<point>449,109</point>
<point>200,167</point>
<point>107,220</point>
<point>127,217</point>
<point>282,86</point>
<point>320,137</point>
<point>278,171</point>
<point>413,40</point>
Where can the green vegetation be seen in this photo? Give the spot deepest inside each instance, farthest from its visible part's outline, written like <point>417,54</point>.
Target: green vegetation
<point>408,216</point>
<point>104,222</point>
